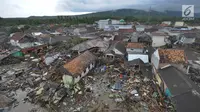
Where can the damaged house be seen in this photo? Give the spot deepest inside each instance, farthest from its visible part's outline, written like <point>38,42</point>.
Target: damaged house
<point>137,51</point>
<point>78,68</point>
<point>162,58</point>
<point>23,41</point>
<point>78,31</point>
<point>98,44</point>
<point>116,49</point>
<point>187,38</point>
<point>141,37</point>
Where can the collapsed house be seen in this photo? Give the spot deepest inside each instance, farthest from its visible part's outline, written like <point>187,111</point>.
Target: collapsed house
<point>187,38</point>
<point>116,49</point>
<point>78,68</point>
<point>90,44</point>
<point>135,65</point>
<point>141,37</point>
<point>23,41</point>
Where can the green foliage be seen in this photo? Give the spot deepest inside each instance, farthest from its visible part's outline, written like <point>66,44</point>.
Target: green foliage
<point>13,30</point>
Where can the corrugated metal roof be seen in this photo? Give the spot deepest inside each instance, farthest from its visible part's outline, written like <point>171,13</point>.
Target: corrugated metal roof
<point>80,63</point>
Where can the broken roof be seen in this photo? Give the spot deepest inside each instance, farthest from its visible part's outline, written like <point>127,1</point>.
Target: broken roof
<point>80,63</point>
<point>137,61</point>
<point>172,56</point>
<point>17,36</point>
<point>91,44</point>
<point>135,45</point>
<point>190,35</point>
<point>158,33</point>
<point>27,38</point>
<point>117,45</point>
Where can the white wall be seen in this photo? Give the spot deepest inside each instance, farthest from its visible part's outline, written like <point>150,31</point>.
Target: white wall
<point>143,57</point>
<point>115,22</point>
<point>83,74</point>
<point>140,29</point>
<point>158,41</point>
<point>155,59</point>
<point>13,42</point>
<point>117,27</point>
<point>102,24</point>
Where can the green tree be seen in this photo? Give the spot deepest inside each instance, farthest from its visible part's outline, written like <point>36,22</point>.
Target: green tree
<point>13,30</point>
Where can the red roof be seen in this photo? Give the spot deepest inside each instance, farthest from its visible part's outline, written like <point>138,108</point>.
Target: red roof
<point>17,36</point>
<point>127,30</point>
<point>79,64</point>
<point>135,45</point>
<point>60,30</point>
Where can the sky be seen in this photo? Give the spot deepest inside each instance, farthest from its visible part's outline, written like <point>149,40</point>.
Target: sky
<point>26,8</point>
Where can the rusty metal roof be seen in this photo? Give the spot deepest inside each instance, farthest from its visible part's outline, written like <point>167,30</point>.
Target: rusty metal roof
<point>80,63</point>
<point>172,56</point>
<point>135,45</point>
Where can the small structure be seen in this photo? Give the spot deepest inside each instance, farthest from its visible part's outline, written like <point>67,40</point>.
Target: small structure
<point>158,38</point>
<point>35,34</point>
<point>127,31</point>
<point>137,51</point>
<point>117,27</point>
<point>135,47</point>
<point>78,68</point>
<point>166,23</point>
<point>179,24</point>
<point>140,28</point>
<point>103,23</point>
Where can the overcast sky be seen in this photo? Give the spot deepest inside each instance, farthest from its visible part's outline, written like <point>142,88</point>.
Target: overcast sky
<point>25,8</point>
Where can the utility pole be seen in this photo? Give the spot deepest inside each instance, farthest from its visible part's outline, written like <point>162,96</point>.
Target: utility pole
<point>149,15</point>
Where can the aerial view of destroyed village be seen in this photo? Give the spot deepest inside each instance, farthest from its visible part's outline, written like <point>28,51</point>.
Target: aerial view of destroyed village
<point>99,56</point>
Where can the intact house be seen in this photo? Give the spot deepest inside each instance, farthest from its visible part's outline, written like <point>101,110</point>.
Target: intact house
<point>117,27</point>
<point>103,23</point>
<point>166,23</point>
<point>187,38</point>
<point>116,50</point>
<point>179,24</point>
<point>118,21</point>
<point>78,68</point>
<point>23,41</point>
<point>137,51</point>
<point>140,28</point>
<point>158,38</point>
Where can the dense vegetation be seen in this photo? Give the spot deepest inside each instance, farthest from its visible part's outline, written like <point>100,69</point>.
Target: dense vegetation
<point>152,17</point>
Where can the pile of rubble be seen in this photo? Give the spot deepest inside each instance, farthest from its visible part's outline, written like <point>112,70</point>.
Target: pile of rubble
<point>105,88</point>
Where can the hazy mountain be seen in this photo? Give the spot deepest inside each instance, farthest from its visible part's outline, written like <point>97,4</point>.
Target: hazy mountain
<point>123,13</point>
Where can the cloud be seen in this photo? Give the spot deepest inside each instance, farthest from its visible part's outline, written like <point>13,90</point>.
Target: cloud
<point>102,5</point>
<point>25,8</point>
